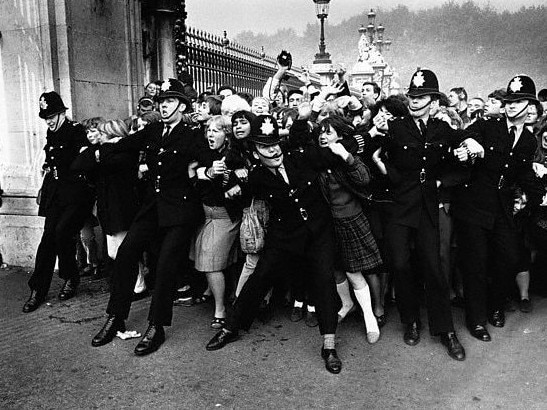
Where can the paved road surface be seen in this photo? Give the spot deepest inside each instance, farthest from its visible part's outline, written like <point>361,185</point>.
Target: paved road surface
<point>47,362</point>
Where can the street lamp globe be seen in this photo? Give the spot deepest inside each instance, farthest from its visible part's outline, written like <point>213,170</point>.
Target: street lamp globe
<point>322,8</point>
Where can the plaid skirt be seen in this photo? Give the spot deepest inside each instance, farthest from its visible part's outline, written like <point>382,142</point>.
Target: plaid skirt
<point>356,245</point>
<point>215,247</point>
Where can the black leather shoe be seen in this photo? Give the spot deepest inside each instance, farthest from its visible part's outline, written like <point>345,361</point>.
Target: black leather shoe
<point>311,319</point>
<point>297,314</point>
<point>480,332</point>
<point>412,334</point>
<point>453,345</point>
<point>332,363</point>
<point>497,318</point>
<point>33,302</point>
<point>151,341</point>
<point>69,289</point>
<point>525,305</point>
<point>108,332</point>
<point>221,339</point>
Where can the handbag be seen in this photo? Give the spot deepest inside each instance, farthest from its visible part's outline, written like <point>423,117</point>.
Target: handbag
<point>251,231</point>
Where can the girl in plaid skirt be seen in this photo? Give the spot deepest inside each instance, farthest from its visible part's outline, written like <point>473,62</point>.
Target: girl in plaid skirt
<point>343,187</point>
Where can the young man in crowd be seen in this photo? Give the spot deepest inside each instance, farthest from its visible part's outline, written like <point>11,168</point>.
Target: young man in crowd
<point>458,100</point>
<point>493,107</point>
<point>370,89</point>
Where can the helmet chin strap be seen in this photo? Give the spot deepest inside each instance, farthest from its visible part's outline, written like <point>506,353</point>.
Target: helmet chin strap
<point>420,108</point>
<point>518,113</point>
<point>267,157</point>
<point>173,112</point>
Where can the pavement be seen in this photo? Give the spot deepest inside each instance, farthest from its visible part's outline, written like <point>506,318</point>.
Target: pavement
<point>47,361</point>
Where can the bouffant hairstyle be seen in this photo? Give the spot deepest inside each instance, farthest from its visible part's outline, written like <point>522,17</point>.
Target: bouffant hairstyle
<point>223,122</point>
<point>114,128</point>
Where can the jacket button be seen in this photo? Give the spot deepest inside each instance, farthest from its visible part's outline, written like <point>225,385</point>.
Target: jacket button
<point>405,147</point>
<point>491,148</point>
<point>309,182</point>
<point>329,171</point>
<point>174,152</point>
<point>296,200</point>
<point>184,197</point>
<point>157,190</point>
<point>506,165</point>
<point>424,158</point>
<point>510,154</point>
<point>159,163</point>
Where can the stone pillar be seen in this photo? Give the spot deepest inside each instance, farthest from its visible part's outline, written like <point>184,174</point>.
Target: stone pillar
<point>90,52</point>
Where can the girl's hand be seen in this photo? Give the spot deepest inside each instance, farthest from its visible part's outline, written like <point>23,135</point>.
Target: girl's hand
<point>340,150</point>
<point>233,192</point>
<point>219,166</point>
<point>242,174</point>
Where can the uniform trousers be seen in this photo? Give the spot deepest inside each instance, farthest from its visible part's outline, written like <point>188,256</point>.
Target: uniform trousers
<point>317,255</point>
<point>482,253</point>
<point>61,229</point>
<point>426,240</point>
<point>173,244</point>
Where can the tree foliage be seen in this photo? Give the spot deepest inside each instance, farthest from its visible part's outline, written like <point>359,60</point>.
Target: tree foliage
<point>466,45</point>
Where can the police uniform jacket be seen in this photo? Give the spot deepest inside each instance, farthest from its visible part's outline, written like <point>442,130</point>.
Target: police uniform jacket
<point>63,186</point>
<point>115,177</point>
<point>169,187</point>
<point>297,209</point>
<point>489,192</point>
<point>414,163</point>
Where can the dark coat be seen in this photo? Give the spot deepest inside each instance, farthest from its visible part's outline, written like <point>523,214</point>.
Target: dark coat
<point>115,177</point>
<point>63,186</point>
<point>299,209</point>
<point>212,191</point>
<point>169,187</point>
<point>489,191</point>
<point>414,163</point>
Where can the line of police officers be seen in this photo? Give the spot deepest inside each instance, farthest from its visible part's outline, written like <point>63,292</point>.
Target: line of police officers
<point>486,163</point>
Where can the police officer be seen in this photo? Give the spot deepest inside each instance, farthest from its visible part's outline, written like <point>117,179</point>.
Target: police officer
<point>167,219</point>
<point>300,229</point>
<point>417,148</point>
<point>483,208</point>
<point>65,202</point>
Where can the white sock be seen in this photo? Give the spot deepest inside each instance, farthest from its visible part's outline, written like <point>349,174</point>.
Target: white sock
<point>363,297</point>
<point>345,295</point>
<point>311,308</point>
<point>140,286</point>
<point>298,304</point>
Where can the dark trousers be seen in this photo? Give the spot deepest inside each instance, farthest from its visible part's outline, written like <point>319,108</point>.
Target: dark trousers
<point>61,228</point>
<point>318,255</point>
<point>481,251</point>
<point>173,243</point>
<point>426,247</point>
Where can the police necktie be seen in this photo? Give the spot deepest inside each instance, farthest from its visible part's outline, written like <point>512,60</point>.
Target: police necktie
<point>513,135</point>
<point>166,130</point>
<point>280,175</point>
<point>423,128</point>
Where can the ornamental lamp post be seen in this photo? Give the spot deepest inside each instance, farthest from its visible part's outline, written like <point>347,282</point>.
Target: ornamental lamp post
<point>322,11</point>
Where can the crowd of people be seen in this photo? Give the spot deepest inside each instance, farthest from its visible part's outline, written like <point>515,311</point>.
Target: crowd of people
<point>325,201</point>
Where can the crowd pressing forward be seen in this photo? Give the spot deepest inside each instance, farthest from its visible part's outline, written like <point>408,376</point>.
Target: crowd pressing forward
<point>310,197</point>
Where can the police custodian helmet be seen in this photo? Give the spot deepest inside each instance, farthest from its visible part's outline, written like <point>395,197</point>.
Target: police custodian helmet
<point>521,87</point>
<point>423,82</point>
<point>174,88</point>
<point>51,104</point>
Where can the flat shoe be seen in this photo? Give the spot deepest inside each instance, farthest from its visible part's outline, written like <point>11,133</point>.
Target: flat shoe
<point>332,363</point>
<point>525,305</point>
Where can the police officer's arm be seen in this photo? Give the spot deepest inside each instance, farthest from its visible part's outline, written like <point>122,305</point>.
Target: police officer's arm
<point>85,161</point>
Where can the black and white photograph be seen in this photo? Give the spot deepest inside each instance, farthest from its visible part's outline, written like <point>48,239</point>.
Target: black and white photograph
<point>289,204</point>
